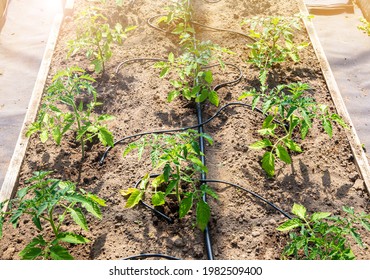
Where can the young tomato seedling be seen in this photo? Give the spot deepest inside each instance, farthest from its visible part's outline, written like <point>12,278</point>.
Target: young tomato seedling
<point>95,36</point>
<point>177,158</point>
<point>288,113</point>
<point>50,202</point>
<point>71,88</point>
<point>321,235</point>
<point>275,41</point>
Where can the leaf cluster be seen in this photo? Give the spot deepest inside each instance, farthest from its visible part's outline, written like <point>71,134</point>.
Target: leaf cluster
<point>289,113</point>
<point>177,158</point>
<point>275,41</point>
<point>52,202</point>
<point>95,36</point>
<point>365,27</point>
<point>322,236</point>
<point>73,89</point>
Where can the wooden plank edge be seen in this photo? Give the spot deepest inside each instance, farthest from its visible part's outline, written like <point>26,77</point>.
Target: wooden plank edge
<point>3,15</point>
<point>10,183</point>
<point>356,147</point>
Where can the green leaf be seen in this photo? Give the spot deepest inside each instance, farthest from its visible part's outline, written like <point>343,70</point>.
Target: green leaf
<point>327,127</point>
<point>58,252</point>
<point>261,144</point>
<point>158,199</point>
<point>365,224</point>
<point>348,210</point>
<point>57,135</point>
<point>164,72</point>
<point>202,96</point>
<point>185,206</point>
<point>134,198</point>
<point>30,253</point>
<point>203,214</point>
<point>213,98</point>
<point>283,154</point>
<point>268,163</point>
<point>304,129</point>
<point>356,236</point>
<point>73,238</point>
<point>44,136</point>
<point>78,217</point>
<point>36,221</point>
<point>171,57</point>
<point>1,226</point>
<point>166,172</point>
<point>208,76</point>
<point>290,224</point>
<point>158,180</point>
<point>247,94</point>
<point>105,137</point>
<point>97,199</point>
<point>319,216</point>
<point>92,208</point>
<point>170,187</point>
<point>267,121</point>
<point>299,210</point>
<point>208,138</point>
<point>172,95</point>
<point>339,120</point>
<point>292,145</point>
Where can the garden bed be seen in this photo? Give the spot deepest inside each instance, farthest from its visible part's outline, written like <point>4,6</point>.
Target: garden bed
<point>323,178</point>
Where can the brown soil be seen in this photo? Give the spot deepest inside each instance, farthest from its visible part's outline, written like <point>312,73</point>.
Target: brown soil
<point>323,178</point>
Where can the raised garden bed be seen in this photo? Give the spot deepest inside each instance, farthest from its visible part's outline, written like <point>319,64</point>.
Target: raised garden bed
<point>323,178</point>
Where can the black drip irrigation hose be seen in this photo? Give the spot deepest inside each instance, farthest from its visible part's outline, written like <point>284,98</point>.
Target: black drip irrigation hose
<point>150,23</point>
<point>147,256</point>
<point>120,141</point>
<point>250,192</point>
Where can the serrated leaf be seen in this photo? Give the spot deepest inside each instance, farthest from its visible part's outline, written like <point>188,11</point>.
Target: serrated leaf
<point>319,216</point>
<point>203,214</point>
<point>299,210</point>
<point>44,136</point>
<point>92,208</point>
<point>304,130</point>
<point>365,224</point>
<point>292,145</point>
<point>208,77</point>
<point>105,137</point>
<point>267,121</point>
<point>290,224</point>
<point>283,154</point>
<point>213,98</point>
<point>78,217</point>
<point>172,95</point>
<point>327,127</point>
<point>164,72</point>
<point>134,198</point>
<point>58,252</point>
<point>339,120</point>
<point>30,253</point>
<point>36,221</point>
<point>171,57</point>
<point>158,180</point>
<point>268,163</point>
<point>166,172</point>
<point>73,238</point>
<point>348,210</point>
<point>97,199</point>
<point>170,187</point>
<point>158,199</point>
<point>202,96</point>
<point>185,206</point>
<point>128,191</point>
<point>356,236</point>
<point>261,144</point>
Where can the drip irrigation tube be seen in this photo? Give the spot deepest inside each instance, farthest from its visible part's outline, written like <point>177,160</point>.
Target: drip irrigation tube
<point>250,192</point>
<point>176,129</point>
<point>150,23</point>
